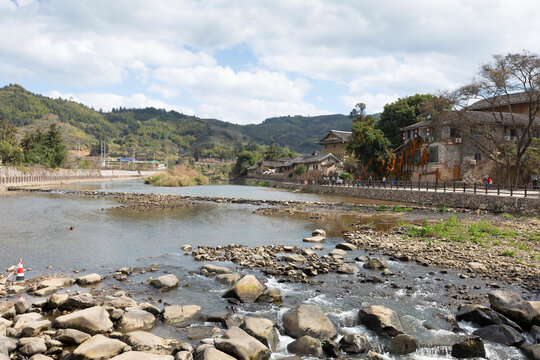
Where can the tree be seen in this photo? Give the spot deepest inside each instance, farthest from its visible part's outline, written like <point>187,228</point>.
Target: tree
<point>402,112</point>
<point>57,153</point>
<point>497,85</point>
<point>10,152</point>
<point>244,160</point>
<point>369,145</point>
<point>299,170</point>
<point>272,152</point>
<point>8,132</point>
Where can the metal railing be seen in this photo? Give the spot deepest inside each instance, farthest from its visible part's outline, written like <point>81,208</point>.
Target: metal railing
<point>36,179</point>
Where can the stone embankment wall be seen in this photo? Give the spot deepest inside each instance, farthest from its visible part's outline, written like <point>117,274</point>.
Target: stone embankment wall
<point>492,203</point>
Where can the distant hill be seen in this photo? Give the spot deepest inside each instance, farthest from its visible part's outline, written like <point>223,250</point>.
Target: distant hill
<point>155,130</point>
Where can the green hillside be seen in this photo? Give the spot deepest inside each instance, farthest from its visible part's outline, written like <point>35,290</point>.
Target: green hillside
<point>154,130</point>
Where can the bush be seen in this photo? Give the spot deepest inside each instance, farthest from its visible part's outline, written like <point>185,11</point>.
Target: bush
<point>300,169</point>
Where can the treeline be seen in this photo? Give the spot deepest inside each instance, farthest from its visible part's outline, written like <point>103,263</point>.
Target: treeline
<point>45,148</point>
<point>249,154</point>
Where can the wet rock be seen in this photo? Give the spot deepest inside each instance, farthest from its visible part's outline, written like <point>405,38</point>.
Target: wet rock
<point>92,320</point>
<point>228,279</point>
<point>347,269</point>
<point>154,310</point>
<point>512,305</point>
<point>148,342</point>
<point>218,317</point>
<point>247,289</point>
<point>201,332</point>
<point>271,295</point>
<point>501,334</point>
<point>136,319</point>
<point>177,314</point>
<point>211,353</point>
<point>531,351</point>
<point>263,330</point>
<point>89,279</point>
<point>119,302</point>
<point>77,302</point>
<point>469,347</point>
<point>362,258</point>
<point>483,316</point>
<point>242,346</point>
<point>346,247</point>
<point>535,333</point>
<point>234,320</point>
<point>374,356</point>
<point>35,347</point>
<point>35,327</point>
<point>294,258</point>
<point>99,347</point>
<point>317,248</point>
<point>54,301</point>
<point>71,336</point>
<point>337,253</point>
<point>306,346</point>
<point>382,320</point>
<point>376,263</point>
<point>138,355</point>
<point>308,320</point>
<point>331,348</point>
<point>318,232</point>
<point>402,345</point>
<point>21,306</point>
<point>216,269</point>
<point>168,281</point>
<point>45,291</point>
<point>354,344</point>
<point>315,239</point>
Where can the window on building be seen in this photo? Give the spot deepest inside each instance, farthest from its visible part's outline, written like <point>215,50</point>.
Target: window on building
<point>513,132</point>
<point>478,157</point>
<point>334,146</point>
<point>433,154</point>
<point>454,132</point>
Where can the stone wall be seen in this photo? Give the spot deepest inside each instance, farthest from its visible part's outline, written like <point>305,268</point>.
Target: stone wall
<point>493,203</point>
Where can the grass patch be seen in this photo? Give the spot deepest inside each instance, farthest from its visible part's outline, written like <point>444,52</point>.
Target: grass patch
<point>507,216</point>
<point>382,208</point>
<point>510,253</point>
<point>398,208</point>
<point>180,175</point>
<point>261,183</point>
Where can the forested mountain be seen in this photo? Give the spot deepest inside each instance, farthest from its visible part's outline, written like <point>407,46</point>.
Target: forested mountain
<point>155,130</point>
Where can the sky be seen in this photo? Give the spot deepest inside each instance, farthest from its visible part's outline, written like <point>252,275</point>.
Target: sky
<point>243,61</point>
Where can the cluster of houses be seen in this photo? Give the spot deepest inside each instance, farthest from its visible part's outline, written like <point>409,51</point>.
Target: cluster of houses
<point>451,150</point>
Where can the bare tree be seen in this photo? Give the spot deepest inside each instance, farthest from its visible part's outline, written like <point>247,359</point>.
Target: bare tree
<point>505,81</point>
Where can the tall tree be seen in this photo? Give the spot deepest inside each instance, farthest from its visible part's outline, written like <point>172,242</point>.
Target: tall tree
<point>10,152</point>
<point>57,153</point>
<point>498,83</point>
<point>402,112</point>
<point>272,152</point>
<point>369,145</point>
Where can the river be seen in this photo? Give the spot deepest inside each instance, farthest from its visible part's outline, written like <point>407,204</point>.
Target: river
<point>36,228</point>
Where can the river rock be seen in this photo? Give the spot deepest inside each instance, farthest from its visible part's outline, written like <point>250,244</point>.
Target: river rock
<point>402,344</point>
<point>337,253</point>
<point>469,347</point>
<point>71,336</point>
<point>35,347</point>
<point>216,269</point>
<point>152,309</point>
<point>531,351</point>
<point>40,357</point>
<point>347,269</point>
<point>92,320</point>
<point>374,356</point>
<point>535,333</point>
<point>23,320</point>
<point>8,344</point>
<point>512,305</point>
<point>501,334</point>
<point>89,279</point>
<point>294,258</point>
<point>241,345</point>
<point>263,330</point>
<point>56,282</point>
<point>211,353</point>
<point>228,279</point>
<point>201,332</point>
<point>247,289</point>
<point>306,346</point>
<point>382,320</point>
<point>54,301</point>
<point>21,306</point>
<point>354,344</point>
<point>136,319</point>
<point>99,347</point>
<point>148,342</point>
<point>183,355</point>
<point>45,291</point>
<point>35,327</point>
<point>186,247</point>
<point>138,355</point>
<point>119,302</point>
<point>308,320</point>
<point>346,246</point>
<point>318,232</point>
<point>177,314</point>
<point>77,302</point>
<point>315,239</point>
<point>168,281</point>
<point>271,295</point>
<point>483,316</point>
<point>376,263</point>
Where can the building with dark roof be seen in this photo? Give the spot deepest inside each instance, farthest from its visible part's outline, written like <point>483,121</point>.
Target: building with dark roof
<point>334,143</point>
<point>518,103</point>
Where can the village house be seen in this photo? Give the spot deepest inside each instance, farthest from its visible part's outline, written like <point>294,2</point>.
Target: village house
<point>518,103</point>
<point>456,141</point>
<point>334,143</point>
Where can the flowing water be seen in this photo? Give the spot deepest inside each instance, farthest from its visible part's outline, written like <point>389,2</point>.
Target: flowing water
<point>36,227</point>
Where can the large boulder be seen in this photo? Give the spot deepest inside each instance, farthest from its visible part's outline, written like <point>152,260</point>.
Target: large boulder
<point>228,279</point>
<point>168,281</point>
<point>177,314</point>
<point>211,268</point>
<point>308,320</point>
<point>376,263</point>
<point>512,305</point>
<point>212,353</point>
<point>136,319</point>
<point>34,347</point>
<point>93,320</point>
<point>71,336</point>
<point>354,344</point>
<point>247,289</point>
<point>138,355</point>
<point>469,347</point>
<point>402,344</point>
<point>35,327</point>
<point>263,330</point>
<point>89,279</point>
<point>22,321</point>
<point>382,320</point>
<point>54,301</point>
<point>306,346</point>
<point>99,347</point>
<point>148,342</point>
<point>119,302</point>
<point>77,302</point>
<point>501,334</point>
<point>532,351</point>
<point>242,346</point>
<point>483,316</point>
